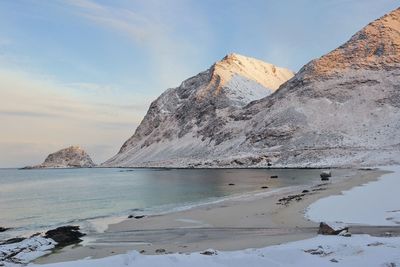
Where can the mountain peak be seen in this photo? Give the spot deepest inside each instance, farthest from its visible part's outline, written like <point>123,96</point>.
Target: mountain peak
<point>266,74</point>
<point>376,46</point>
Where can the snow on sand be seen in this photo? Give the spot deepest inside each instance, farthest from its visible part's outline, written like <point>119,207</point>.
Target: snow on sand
<point>375,203</point>
<point>360,250</point>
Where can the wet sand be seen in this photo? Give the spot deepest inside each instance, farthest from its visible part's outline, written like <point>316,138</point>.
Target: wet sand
<point>250,221</point>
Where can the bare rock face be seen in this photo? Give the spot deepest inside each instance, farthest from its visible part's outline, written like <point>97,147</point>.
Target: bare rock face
<point>342,109</point>
<point>184,120</point>
<point>70,157</point>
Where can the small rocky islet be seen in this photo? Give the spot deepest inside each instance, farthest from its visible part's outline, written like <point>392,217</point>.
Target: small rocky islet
<point>70,157</point>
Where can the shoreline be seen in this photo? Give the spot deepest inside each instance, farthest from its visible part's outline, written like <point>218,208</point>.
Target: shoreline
<point>228,167</point>
<point>243,222</point>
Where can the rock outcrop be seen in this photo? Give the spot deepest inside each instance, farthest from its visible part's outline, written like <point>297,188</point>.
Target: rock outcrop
<point>65,235</point>
<point>342,109</point>
<point>70,157</point>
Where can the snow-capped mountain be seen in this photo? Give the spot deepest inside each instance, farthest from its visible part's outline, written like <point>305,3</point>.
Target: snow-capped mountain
<point>183,120</point>
<point>339,110</point>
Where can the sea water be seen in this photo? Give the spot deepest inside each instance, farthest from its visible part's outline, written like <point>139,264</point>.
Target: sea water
<point>36,200</point>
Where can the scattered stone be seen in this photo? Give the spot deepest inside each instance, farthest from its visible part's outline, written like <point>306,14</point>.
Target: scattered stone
<point>209,252</point>
<point>286,200</point>
<point>315,251</point>
<point>325,229</point>
<point>65,235</point>
<point>35,234</point>
<point>318,189</point>
<point>325,175</point>
<point>375,244</point>
<point>3,229</point>
<point>334,260</point>
<point>12,240</point>
<point>264,187</point>
<point>142,251</point>
<point>388,234</point>
<point>231,184</point>
<point>136,217</point>
<point>345,233</point>
<point>274,176</point>
<point>305,191</point>
<point>160,250</point>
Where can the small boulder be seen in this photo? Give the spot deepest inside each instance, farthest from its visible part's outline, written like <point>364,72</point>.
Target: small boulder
<point>264,187</point>
<point>209,252</point>
<point>160,250</point>
<point>231,184</point>
<point>274,176</point>
<point>12,240</point>
<point>3,229</point>
<point>325,229</point>
<point>65,235</point>
<point>305,191</point>
<point>345,233</point>
<point>325,175</point>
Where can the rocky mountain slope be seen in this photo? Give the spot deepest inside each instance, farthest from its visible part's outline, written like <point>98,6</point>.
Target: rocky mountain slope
<point>70,157</point>
<point>342,109</point>
<point>183,119</point>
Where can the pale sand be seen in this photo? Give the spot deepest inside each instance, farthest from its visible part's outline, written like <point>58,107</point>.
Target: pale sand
<point>245,222</point>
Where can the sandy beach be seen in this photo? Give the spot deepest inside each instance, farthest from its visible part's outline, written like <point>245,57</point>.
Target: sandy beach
<point>249,221</point>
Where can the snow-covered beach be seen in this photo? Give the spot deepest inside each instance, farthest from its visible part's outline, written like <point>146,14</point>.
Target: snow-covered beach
<point>253,230</point>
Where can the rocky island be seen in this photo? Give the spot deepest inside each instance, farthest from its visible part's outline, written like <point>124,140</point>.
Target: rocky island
<point>70,157</point>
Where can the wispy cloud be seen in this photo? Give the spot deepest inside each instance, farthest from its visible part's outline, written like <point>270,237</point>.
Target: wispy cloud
<point>154,29</point>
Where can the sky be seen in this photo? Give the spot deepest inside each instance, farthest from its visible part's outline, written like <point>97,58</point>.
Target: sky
<point>84,72</point>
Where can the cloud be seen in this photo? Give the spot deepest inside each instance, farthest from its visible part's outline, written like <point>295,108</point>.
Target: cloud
<point>155,27</point>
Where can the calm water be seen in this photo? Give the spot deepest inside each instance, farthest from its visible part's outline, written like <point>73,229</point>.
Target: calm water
<point>32,200</point>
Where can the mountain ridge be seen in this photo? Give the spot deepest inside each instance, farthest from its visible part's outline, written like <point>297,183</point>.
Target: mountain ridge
<point>342,109</point>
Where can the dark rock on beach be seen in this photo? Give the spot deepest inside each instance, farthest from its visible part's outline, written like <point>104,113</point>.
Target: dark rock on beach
<point>3,229</point>
<point>160,250</point>
<point>65,235</point>
<point>12,240</point>
<point>136,217</point>
<point>325,229</point>
<point>209,252</point>
<point>286,200</point>
<point>274,176</point>
<point>325,175</point>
